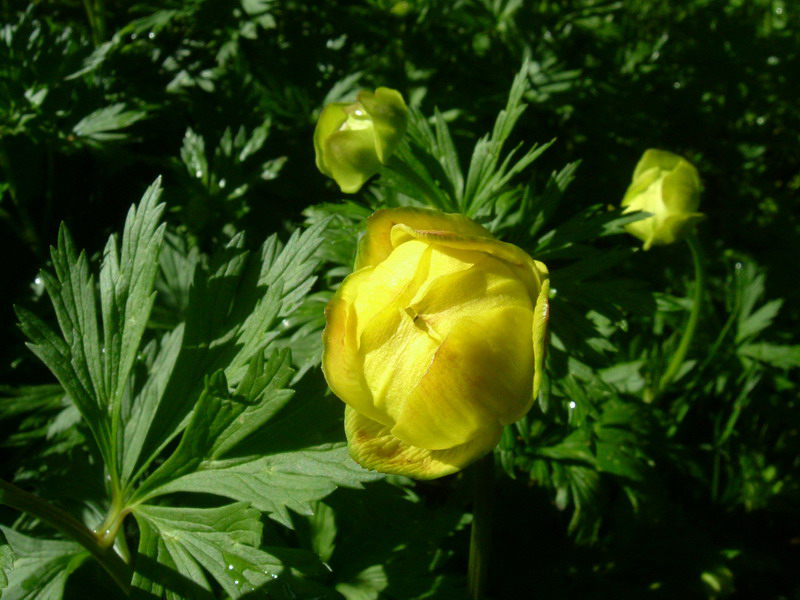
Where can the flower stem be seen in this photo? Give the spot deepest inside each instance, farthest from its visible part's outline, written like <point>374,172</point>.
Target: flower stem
<point>480,537</point>
<point>694,316</point>
<point>12,496</point>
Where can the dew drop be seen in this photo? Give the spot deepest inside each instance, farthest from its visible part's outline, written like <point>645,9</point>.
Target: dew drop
<point>677,85</point>
<point>133,36</point>
<point>222,184</point>
<point>773,60</point>
<point>358,112</point>
<point>285,323</point>
<point>761,120</point>
<point>235,582</point>
<point>778,10</point>
<point>198,173</point>
<point>230,567</point>
<point>738,266</point>
<point>572,405</point>
<point>38,281</point>
<point>151,35</point>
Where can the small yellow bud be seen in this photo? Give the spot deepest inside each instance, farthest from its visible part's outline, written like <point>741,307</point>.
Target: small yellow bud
<point>435,342</point>
<point>668,187</point>
<point>352,141</point>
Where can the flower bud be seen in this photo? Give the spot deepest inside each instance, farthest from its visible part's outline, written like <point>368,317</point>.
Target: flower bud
<point>668,187</point>
<point>435,342</point>
<point>352,141</point>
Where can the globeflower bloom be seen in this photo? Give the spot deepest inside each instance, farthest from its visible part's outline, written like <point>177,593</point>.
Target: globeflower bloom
<point>435,342</point>
<point>668,187</point>
<point>352,141</point>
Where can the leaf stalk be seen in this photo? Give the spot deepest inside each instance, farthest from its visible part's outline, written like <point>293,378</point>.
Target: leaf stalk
<point>19,499</point>
<point>480,536</point>
<point>694,316</point>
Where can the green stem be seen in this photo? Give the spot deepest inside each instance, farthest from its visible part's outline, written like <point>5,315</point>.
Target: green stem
<point>737,303</point>
<point>95,14</point>
<point>694,316</point>
<point>480,537</point>
<point>12,496</point>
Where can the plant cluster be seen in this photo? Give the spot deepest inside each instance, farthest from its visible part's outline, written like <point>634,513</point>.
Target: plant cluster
<point>165,425</point>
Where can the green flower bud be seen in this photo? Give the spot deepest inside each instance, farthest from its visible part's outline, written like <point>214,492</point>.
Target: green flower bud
<point>668,187</point>
<point>352,141</point>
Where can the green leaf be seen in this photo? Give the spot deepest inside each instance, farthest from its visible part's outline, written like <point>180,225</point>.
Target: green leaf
<point>574,448</point>
<point>31,398</point>
<point>584,487</point>
<point>276,483</point>
<point>487,176</point>
<point>751,325</point>
<point>625,377</point>
<point>178,263</point>
<point>139,410</point>
<point>445,152</point>
<point>104,124</point>
<point>158,574</point>
<point>222,418</point>
<point>127,279</point>
<point>223,542</point>
<point>193,155</point>
<point>321,530</point>
<point>94,373</point>
<point>233,314</point>
<point>777,355</point>
<point>6,562</point>
<point>343,220</point>
<point>68,364</point>
<point>373,531</point>
<point>366,585</point>
<point>40,567</point>
<point>545,204</point>
<point>305,333</point>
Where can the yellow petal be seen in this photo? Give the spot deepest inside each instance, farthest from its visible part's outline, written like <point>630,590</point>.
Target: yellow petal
<point>529,271</point>
<point>681,189</point>
<point>541,317</point>
<point>480,377</point>
<point>398,355</point>
<point>660,160</point>
<point>634,199</point>
<point>374,447</point>
<point>674,227</point>
<point>392,282</point>
<point>376,244</point>
<point>342,364</point>
<point>487,284</point>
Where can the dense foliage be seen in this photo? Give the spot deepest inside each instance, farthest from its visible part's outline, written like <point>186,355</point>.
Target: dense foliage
<point>170,398</point>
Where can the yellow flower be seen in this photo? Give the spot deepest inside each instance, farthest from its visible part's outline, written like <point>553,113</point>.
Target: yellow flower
<point>352,141</point>
<point>667,186</point>
<point>434,342</point>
